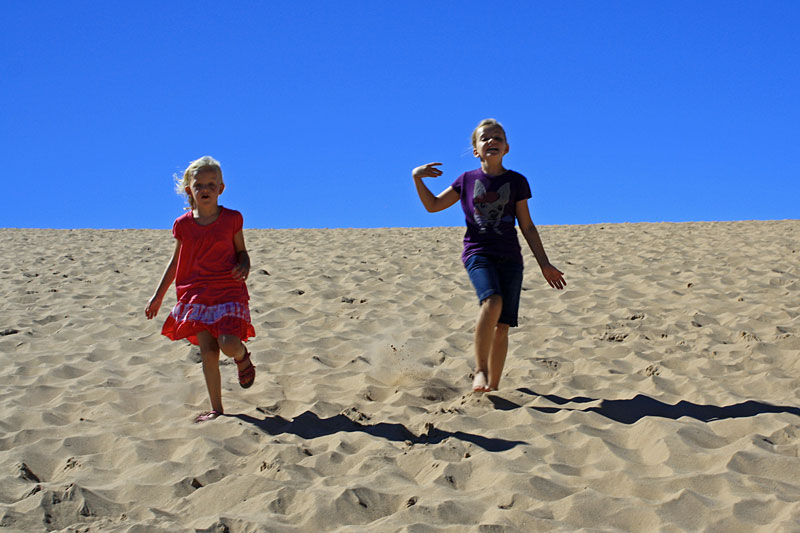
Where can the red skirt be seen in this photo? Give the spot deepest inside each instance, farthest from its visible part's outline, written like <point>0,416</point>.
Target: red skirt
<point>185,321</point>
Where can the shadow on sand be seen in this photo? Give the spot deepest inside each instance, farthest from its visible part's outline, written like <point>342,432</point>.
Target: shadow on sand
<point>310,426</point>
<point>634,409</point>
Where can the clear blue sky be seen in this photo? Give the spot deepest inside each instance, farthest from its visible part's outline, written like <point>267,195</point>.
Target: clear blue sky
<point>622,111</point>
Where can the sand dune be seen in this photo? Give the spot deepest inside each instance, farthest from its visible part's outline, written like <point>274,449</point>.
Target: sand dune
<point>659,392</point>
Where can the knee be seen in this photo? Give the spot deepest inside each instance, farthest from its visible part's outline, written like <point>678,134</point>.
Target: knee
<point>229,344</point>
<point>501,329</point>
<point>493,303</point>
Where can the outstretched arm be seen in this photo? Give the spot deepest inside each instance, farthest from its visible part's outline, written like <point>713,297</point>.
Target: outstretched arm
<point>553,275</point>
<point>432,203</point>
<point>166,280</point>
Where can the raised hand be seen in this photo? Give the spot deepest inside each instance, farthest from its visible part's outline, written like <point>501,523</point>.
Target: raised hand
<point>427,171</point>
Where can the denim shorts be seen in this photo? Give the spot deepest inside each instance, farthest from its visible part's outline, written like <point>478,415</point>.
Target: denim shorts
<point>497,275</point>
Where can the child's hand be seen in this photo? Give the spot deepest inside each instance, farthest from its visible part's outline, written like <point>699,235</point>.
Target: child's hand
<point>554,276</point>
<point>240,272</point>
<point>427,171</point>
<point>152,307</point>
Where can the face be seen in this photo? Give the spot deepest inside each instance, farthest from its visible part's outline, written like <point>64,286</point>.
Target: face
<point>205,188</point>
<point>490,143</point>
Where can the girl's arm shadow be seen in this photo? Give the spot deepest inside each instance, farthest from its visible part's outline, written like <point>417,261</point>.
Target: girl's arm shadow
<point>634,409</point>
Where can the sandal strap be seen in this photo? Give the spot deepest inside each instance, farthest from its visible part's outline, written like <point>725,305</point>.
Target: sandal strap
<point>247,375</point>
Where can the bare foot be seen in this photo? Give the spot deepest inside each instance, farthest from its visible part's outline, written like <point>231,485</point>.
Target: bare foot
<point>206,416</point>
<point>479,384</point>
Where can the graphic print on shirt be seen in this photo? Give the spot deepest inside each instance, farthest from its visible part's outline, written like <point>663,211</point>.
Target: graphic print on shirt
<point>489,206</point>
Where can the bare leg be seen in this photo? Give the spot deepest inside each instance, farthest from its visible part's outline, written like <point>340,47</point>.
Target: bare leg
<point>484,338</point>
<point>233,346</point>
<point>209,350</point>
<point>497,355</point>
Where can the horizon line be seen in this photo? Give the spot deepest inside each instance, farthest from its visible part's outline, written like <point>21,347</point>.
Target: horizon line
<point>643,222</point>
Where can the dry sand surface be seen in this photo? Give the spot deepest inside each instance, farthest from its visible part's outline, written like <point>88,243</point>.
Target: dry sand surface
<point>659,392</point>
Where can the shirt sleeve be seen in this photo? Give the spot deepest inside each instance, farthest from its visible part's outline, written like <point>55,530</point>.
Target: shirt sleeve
<point>237,222</point>
<point>458,184</point>
<point>523,188</point>
<point>176,228</point>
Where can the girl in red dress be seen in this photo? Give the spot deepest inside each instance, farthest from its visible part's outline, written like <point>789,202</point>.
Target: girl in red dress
<point>209,266</point>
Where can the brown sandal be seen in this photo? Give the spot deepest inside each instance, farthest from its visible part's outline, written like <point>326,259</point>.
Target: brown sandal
<point>247,376</point>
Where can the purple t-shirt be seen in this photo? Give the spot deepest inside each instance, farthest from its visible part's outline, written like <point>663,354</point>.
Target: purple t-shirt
<point>490,206</point>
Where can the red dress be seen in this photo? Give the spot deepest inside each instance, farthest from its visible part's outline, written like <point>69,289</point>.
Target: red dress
<point>208,296</point>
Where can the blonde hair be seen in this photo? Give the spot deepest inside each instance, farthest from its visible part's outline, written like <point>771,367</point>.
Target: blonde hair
<point>195,167</point>
<point>486,122</point>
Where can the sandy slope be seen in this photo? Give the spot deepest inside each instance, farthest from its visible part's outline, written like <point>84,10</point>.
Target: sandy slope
<point>660,391</point>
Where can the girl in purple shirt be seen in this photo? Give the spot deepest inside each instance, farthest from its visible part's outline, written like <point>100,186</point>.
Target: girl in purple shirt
<point>492,198</point>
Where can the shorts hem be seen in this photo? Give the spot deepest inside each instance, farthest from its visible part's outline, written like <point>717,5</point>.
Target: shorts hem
<point>485,295</point>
